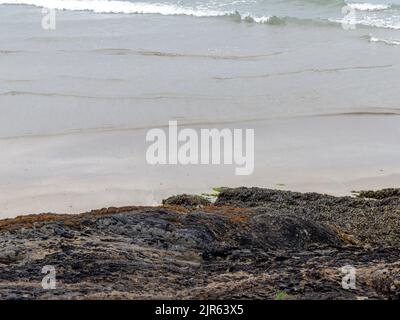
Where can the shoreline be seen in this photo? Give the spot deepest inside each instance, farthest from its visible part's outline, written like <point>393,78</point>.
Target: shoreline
<point>72,94</point>
<point>332,155</point>
<point>46,216</point>
<point>154,199</point>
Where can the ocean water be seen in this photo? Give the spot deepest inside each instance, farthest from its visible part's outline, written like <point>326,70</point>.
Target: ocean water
<point>375,13</point>
<point>76,102</point>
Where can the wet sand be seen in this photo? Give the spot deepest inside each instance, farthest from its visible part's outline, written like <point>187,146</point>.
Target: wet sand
<point>76,104</point>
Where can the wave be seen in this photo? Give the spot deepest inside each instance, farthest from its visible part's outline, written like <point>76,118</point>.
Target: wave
<point>379,23</point>
<point>115,6</point>
<point>369,6</point>
<point>360,6</point>
<point>373,21</point>
<point>116,51</point>
<point>155,96</point>
<point>127,7</point>
<point>79,96</point>
<point>391,42</point>
<point>7,52</point>
<point>313,70</point>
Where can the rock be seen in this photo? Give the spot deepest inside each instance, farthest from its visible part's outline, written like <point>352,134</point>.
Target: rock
<point>253,244</point>
<point>359,220</point>
<point>379,194</point>
<point>10,254</point>
<point>187,200</point>
<point>290,231</point>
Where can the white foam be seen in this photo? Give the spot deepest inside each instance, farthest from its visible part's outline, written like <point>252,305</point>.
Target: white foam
<point>380,23</point>
<point>372,22</point>
<point>258,19</point>
<point>392,42</point>
<point>369,6</point>
<point>114,6</point>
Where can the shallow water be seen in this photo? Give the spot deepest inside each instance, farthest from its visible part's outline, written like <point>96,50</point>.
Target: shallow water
<point>76,102</point>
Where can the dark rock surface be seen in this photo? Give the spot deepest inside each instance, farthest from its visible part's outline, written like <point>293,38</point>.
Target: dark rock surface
<point>251,244</point>
<point>379,194</point>
<point>187,200</point>
<point>366,220</point>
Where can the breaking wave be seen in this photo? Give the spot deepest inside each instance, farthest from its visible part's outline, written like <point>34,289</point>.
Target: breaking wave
<point>125,7</point>
<point>175,9</point>
<point>391,42</point>
<point>115,6</point>
<point>369,6</point>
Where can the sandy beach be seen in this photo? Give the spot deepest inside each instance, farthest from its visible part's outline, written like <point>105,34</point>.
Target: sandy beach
<point>76,103</point>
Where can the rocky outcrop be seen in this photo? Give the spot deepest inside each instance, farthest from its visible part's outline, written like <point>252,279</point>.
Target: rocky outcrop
<point>187,200</point>
<point>252,243</point>
<point>379,194</point>
<point>366,220</point>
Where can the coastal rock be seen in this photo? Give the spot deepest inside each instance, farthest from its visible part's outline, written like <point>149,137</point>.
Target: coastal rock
<point>379,194</point>
<point>187,200</point>
<point>11,254</point>
<point>253,244</point>
<point>368,221</point>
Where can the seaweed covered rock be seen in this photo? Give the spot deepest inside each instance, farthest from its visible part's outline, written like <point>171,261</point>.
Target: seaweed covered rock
<point>253,244</point>
<point>379,194</point>
<point>289,231</point>
<point>187,200</point>
<point>369,221</point>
